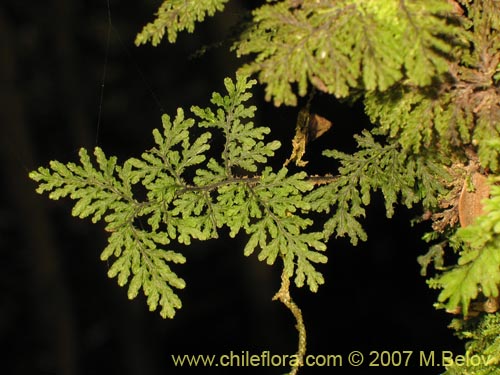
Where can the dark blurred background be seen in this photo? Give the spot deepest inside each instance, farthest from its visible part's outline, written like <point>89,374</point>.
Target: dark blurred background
<point>61,315</point>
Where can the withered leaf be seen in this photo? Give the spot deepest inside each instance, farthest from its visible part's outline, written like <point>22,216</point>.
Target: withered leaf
<point>310,126</point>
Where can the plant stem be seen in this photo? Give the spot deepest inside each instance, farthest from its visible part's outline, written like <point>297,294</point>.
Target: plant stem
<point>283,295</point>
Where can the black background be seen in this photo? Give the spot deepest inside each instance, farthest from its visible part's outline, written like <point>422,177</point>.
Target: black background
<point>60,314</point>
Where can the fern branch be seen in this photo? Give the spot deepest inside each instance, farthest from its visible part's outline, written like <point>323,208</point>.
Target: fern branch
<point>268,206</point>
<point>175,16</point>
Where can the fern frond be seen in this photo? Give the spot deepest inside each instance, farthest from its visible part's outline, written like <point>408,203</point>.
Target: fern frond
<point>346,44</point>
<point>139,259</point>
<point>399,176</point>
<point>345,197</point>
<point>478,268</point>
<point>243,147</point>
<point>106,193</point>
<point>94,190</point>
<point>279,230</point>
<point>174,16</point>
<point>181,205</point>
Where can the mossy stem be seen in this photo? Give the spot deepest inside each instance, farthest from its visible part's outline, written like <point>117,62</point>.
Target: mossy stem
<point>283,295</point>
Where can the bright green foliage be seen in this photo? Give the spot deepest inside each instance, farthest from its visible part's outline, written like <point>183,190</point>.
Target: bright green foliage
<point>335,45</point>
<point>339,45</point>
<point>478,268</point>
<point>484,344</point>
<point>280,231</point>
<point>268,206</point>
<point>175,16</point>
<point>230,190</point>
<point>107,193</point>
<point>399,176</point>
<point>243,147</point>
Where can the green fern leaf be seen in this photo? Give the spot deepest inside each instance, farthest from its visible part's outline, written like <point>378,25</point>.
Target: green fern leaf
<point>400,177</point>
<point>175,16</point>
<point>279,230</point>
<point>478,268</point>
<point>244,147</point>
<point>460,285</point>
<point>140,256</point>
<point>236,209</point>
<point>348,44</point>
<point>99,193</point>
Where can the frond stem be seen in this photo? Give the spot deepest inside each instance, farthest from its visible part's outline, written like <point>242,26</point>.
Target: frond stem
<point>315,180</point>
<point>283,295</point>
